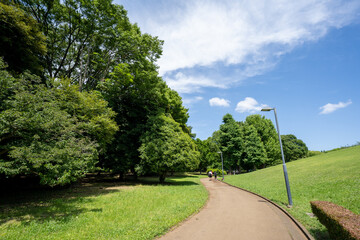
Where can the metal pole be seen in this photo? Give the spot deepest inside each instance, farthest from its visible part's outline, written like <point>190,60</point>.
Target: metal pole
<point>222,166</point>
<point>284,165</point>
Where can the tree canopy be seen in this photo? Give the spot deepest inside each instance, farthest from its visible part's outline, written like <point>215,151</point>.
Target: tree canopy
<point>165,147</point>
<point>90,96</point>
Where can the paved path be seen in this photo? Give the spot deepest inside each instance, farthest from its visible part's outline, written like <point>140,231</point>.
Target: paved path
<point>231,213</point>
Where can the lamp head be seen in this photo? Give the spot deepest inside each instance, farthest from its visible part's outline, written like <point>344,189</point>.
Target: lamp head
<point>267,109</point>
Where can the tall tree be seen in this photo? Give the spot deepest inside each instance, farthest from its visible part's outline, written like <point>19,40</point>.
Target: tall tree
<point>136,97</point>
<point>254,155</point>
<point>87,39</point>
<point>22,43</point>
<point>268,135</point>
<point>165,147</point>
<point>230,139</point>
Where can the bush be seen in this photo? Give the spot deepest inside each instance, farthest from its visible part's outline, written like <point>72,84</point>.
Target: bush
<point>218,171</point>
<point>341,223</point>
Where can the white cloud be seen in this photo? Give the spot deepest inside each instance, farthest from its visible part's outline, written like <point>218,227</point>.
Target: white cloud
<point>330,107</point>
<point>190,84</point>
<point>249,105</point>
<point>252,35</point>
<point>221,102</point>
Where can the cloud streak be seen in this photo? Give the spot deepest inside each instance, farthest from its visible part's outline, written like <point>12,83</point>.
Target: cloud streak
<point>330,107</point>
<point>250,35</point>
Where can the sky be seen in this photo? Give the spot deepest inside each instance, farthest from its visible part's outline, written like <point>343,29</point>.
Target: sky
<point>301,57</point>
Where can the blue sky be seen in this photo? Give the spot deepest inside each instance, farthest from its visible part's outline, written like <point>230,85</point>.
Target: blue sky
<point>302,57</point>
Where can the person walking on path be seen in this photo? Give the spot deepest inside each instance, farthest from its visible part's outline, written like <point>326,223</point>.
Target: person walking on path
<point>215,175</point>
<point>210,175</point>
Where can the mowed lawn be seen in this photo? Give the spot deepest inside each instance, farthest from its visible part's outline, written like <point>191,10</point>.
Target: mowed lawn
<point>102,210</point>
<point>333,176</point>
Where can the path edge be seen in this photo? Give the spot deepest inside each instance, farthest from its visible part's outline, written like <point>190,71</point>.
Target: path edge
<point>188,218</point>
<point>298,224</point>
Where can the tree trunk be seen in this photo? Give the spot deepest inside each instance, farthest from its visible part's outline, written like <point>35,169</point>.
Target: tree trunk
<point>162,177</point>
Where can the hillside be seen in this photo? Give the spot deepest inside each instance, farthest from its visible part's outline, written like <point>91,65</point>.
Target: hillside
<point>333,176</point>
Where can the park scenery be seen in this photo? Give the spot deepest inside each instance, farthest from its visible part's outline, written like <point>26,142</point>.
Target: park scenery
<point>139,119</point>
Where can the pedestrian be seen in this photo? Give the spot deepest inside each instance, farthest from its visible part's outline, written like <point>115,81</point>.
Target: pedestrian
<point>215,175</point>
<point>210,175</point>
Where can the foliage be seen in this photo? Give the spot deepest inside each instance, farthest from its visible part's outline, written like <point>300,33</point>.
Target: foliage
<point>91,211</point>
<point>136,97</point>
<point>293,148</point>
<point>165,147</point>
<point>268,135</point>
<point>330,177</point>
<point>87,39</point>
<point>209,156</point>
<point>22,43</point>
<point>52,133</point>
<point>231,142</point>
<point>254,155</point>
<point>341,223</point>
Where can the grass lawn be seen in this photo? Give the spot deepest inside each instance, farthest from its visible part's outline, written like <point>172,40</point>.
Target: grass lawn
<point>101,210</point>
<point>333,176</point>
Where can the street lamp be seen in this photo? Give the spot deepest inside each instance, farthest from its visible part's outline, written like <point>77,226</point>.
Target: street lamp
<point>222,165</point>
<point>282,155</point>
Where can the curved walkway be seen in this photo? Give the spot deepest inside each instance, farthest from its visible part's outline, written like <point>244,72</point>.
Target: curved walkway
<point>231,213</point>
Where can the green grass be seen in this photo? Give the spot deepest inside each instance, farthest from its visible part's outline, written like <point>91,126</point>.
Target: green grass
<point>102,211</point>
<point>333,177</point>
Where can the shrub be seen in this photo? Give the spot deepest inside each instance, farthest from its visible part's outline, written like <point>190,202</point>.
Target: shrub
<point>341,223</point>
<point>218,171</point>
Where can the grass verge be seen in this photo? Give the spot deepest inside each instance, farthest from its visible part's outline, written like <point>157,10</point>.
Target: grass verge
<point>102,210</point>
<point>330,177</point>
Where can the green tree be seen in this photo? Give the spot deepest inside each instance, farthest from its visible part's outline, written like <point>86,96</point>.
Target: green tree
<point>136,97</point>
<point>209,156</point>
<point>268,136</point>
<point>166,147</point>
<point>254,155</point>
<point>22,43</point>
<point>87,39</point>
<point>230,139</point>
<point>53,133</point>
<point>293,148</point>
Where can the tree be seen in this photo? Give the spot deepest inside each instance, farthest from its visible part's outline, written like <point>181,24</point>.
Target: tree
<point>53,133</point>
<point>293,148</point>
<point>165,147</point>
<point>268,136</point>
<point>209,156</point>
<point>22,43</point>
<point>230,139</point>
<point>254,155</point>
<point>136,98</point>
<point>87,39</point>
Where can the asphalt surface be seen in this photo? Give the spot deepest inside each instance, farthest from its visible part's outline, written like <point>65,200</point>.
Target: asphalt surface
<point>231,213</point>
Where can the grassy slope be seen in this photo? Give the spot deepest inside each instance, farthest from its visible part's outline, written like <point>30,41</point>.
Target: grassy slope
<point>134,212</point>
<point>333,177</point>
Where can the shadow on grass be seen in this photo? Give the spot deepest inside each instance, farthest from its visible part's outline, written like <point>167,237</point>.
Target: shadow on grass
<point>320,234</point>
<point>62,204</point>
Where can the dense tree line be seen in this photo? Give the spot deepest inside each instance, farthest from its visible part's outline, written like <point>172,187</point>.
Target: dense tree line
<point>249,145</point>
<point>80,91</point>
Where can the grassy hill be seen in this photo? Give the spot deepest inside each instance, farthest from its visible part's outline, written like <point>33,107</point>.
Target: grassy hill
<point>333,176</point>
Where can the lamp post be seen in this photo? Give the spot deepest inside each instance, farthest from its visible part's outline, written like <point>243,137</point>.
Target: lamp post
<point>222,165</point>
<point>283,158</point>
